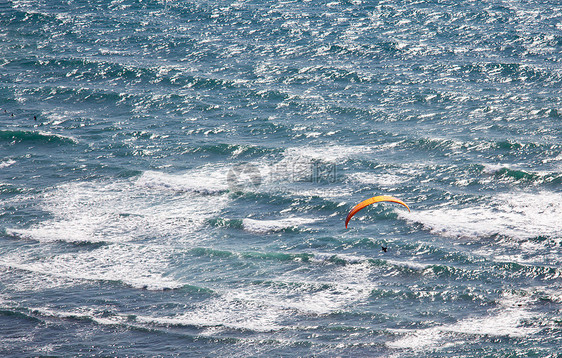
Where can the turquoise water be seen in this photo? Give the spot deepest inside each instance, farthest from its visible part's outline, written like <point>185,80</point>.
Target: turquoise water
<point>175,176</point>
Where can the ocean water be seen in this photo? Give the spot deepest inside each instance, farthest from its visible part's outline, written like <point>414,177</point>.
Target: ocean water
<point>175,176</point>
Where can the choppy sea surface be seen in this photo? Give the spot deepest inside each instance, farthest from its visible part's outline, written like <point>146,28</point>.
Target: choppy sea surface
<point>175,175</point>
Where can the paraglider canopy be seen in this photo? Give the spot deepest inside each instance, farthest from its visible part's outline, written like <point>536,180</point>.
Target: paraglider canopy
<point>374,199</point>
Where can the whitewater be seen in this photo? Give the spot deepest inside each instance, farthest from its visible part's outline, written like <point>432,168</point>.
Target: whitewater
<point>175,177</point>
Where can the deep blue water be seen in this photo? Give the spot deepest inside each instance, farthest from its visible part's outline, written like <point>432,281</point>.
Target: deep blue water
<point>175,175</point>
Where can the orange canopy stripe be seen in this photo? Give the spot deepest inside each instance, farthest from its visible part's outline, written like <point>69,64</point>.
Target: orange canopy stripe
<point>374,199</point>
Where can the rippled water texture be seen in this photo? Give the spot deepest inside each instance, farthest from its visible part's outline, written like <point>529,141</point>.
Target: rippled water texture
<point>175,176</point>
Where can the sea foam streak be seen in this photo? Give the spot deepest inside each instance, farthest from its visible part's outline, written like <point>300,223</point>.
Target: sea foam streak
<point>332,153</point>
<point>6,163</point>
<point>268,226</point>
<point>519,215</point>
<point>125,215</point>
<point>265,308</point>
<point>256,307</point>
<point>134,265</point>
<point>127,210</point>
<point>205,180</point>
<point>505,320</point>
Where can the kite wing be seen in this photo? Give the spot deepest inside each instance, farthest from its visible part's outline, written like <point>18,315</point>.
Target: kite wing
<point>370,201</point>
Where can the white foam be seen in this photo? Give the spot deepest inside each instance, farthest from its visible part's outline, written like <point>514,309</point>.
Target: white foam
<point>23,279</point>
<point>256,307</point>
<point>494,168</point>
<point>519,215</point>
<point>208,179</point>
<point>268,226</point>
<point>408,264</point>
<point>323,257</point>
<point>331,154</point>
<point>386,180</point>
<point>347,285</point>
<point>230,310</point>
<point>503,321</point>
<point>115,213</point>
<point>125,210</point>
<point>139,224</point>
<point>396,176</point>
<point>59,116</point>
<point>7,163</point>
<point>82,312</point>
<point>265,308</point>
<point>135,265</point>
